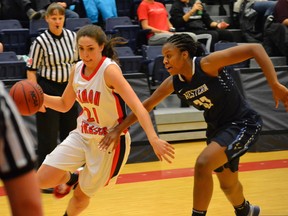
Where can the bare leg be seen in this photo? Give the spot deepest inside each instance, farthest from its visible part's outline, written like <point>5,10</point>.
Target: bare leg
<point>49,177</point>
<point>231,186</point>
<point>212,157</point>
<point>78,203</point>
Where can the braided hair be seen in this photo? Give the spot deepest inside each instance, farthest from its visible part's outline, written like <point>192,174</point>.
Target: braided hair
<point>96,32</point>
<point>185,42</point>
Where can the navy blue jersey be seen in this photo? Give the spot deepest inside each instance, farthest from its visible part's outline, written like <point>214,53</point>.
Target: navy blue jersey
<point>219,96</point>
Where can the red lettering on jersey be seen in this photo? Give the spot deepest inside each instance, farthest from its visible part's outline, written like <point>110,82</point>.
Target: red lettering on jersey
<point>84,96</point>
<point>92,129</point>
<point>91,97</point>
<point>97,98</point>
<point>95,115</point>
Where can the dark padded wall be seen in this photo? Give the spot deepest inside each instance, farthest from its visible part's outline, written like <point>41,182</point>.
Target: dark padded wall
<point>259,95</point>
<point>141,150</point>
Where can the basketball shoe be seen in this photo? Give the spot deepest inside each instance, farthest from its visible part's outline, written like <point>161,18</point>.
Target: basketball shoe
<point>254,210</point>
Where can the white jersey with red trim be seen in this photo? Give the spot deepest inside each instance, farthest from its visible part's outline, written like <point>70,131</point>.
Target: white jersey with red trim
<point>102,107</point>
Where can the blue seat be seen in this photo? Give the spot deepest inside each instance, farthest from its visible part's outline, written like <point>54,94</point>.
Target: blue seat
<point>159,72</point>
<point>129,32</point>
<point>111,22</point>
<point>124,51</point>
<point>123,26</point>
<point>11,69</point>
<point>16,40</point>
<point>14,37</point>
<point>36,27</point>
<point>74,24</point>
<point>150,53</point>
<point>129,62</point>
<point>8,56</point>
<point>10,24</point>
<point>154,64</point>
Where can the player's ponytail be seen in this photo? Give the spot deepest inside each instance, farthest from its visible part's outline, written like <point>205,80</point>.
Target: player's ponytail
<point>96,32</point>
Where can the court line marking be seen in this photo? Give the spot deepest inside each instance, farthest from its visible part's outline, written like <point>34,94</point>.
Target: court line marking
<point>188,172</point>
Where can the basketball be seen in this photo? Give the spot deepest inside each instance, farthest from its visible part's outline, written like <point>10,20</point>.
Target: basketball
<point>28,97</point>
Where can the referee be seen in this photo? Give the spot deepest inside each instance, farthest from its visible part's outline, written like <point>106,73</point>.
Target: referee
<point>51,57</point>
<point>17,158</point>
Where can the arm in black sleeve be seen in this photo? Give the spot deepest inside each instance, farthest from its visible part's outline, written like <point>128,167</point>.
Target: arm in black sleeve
<point>176,15</point>
<point>206,19</point>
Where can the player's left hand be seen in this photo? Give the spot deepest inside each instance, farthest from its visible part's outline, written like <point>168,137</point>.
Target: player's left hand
<point>112,138</point>
<point>163,150</point>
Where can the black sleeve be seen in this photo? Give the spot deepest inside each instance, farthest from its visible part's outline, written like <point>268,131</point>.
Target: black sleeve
<point>206,19</point>
<point>176,15</point>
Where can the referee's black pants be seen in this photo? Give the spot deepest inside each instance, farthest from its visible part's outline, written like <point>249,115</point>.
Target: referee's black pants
<point>53,126</point>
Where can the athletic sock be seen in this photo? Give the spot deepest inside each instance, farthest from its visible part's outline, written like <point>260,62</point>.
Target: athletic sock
<point>243,209</point>
<point>73,179</point>
<point>198,213</point>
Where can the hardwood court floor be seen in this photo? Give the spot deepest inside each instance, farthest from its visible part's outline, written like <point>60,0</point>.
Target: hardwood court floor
<point>162,189</point>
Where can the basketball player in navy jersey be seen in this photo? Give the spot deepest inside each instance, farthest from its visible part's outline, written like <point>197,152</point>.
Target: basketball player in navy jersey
<point>232,126</point>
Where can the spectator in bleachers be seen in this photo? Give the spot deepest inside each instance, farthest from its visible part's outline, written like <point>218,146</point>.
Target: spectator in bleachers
<point>100,8</point>
<point>43,5</point>
<point>252,15</point>
<point>265,8</point>
<point>190,15</point>
<point>1,47</point>
<point>66,4</point>
<point>154,16</point>
<point>19,9</point>
<point>51,57</point>
<point>275,39</point>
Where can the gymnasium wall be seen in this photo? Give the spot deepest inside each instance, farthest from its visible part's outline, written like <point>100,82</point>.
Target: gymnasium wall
<point>259,95</point>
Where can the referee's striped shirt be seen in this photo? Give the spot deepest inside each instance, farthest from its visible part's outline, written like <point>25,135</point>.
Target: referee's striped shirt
<point>17,154</point>
<point>52,56</point>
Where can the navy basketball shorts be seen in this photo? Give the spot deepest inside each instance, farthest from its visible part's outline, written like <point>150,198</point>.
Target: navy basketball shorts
<point>238,136</point>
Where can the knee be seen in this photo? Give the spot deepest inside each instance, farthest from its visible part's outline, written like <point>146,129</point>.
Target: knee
<point>202,166</point>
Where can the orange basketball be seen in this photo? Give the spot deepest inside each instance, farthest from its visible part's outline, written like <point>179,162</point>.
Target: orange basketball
<point>28,97</point>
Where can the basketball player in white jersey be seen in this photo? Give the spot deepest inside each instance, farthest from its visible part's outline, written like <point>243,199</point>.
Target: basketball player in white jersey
<point>98,85</point>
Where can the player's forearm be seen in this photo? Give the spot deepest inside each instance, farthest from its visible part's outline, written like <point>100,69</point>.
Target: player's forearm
<point>55,103</point>
<point>31,75</point>
<point>131,119</point>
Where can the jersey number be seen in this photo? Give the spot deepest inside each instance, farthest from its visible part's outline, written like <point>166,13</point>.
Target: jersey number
<point>203,101</point>
<point>90,115</point>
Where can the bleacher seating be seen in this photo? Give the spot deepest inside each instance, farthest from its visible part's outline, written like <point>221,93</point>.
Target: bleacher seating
<point>129,62</point>
<point>125,27</point>
<point>14,37</point>
<point>11,69</point>
<point>74,24</point>
<point>36,27</point>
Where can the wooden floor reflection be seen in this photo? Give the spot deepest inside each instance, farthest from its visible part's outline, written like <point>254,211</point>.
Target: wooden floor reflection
<point>162,189</point>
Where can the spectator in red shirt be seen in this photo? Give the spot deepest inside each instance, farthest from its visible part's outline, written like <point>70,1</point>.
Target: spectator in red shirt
<point>154,16</point>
